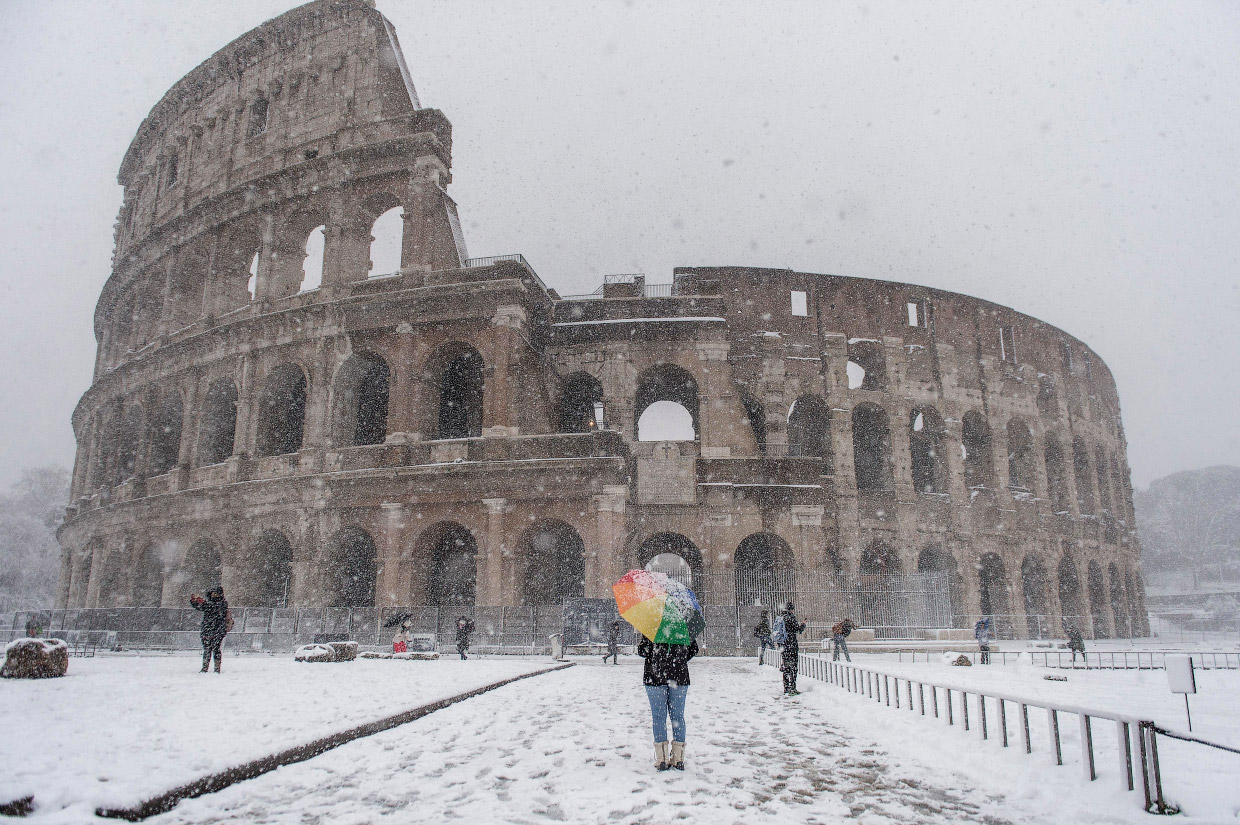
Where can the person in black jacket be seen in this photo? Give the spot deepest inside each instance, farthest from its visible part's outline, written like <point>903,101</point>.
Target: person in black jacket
<point>792,650</point>
<point>666,677</point>
<point>464,626</point>
<point>613,643</point>
<point>762,632</point>
<point>215,621</point>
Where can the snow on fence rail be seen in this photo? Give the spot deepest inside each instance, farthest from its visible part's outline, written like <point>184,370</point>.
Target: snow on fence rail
<point>878,685</point>
<point>1094,660</point>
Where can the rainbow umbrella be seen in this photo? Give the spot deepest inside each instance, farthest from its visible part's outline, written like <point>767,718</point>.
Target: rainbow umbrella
<point>660,608</point>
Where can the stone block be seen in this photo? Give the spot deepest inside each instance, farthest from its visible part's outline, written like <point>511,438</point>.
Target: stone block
<point>35,659</point>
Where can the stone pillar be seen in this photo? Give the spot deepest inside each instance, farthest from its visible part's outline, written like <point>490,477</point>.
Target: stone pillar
<point>269,260</point>
<point>248,400</point>
<point>190,415</point>
<point>346,253</point>
<point>607,562</point>
<point>718,421</point>
<point>402,414</point>
<point>427,243</point>
<point>391,574</point>
<point>492,557</point>
<point>500,395</point>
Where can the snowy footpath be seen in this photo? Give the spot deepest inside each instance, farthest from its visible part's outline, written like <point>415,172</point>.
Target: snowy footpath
<point>569,746</point>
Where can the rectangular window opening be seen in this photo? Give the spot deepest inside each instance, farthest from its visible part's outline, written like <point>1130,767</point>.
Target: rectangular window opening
<point>173,171</point>
<point>800,303</point>
<point>1007,344</point>
<point>258,117</point>
<point>917,314</point>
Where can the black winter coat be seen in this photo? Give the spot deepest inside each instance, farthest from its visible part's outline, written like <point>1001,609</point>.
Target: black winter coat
<point>462,633</point>
<point>792,627</point>
<point>214,615</point>
<point>666,664</point>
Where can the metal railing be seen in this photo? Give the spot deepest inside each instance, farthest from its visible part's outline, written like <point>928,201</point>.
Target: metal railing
<point>885,688</point>
<point>1094,660</point>
<point>473,263</point>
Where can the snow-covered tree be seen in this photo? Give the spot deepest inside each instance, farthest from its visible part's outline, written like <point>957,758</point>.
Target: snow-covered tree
<point>29,554</point>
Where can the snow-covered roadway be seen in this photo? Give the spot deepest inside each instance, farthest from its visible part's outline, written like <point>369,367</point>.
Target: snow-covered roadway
<point>574,746</point>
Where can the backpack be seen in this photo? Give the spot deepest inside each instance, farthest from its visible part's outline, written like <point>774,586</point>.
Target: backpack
<point>228,620</point>
<point>838,629</point>
<point>779,632</point>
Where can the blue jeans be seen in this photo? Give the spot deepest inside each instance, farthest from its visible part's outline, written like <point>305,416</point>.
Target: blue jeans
<point>666,700</point>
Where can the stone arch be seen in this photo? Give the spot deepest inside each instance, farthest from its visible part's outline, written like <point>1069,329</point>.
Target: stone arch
<point>202,568</point>
<point>282,411</point>
<point>927,437</point>
<point>109,580</point>
<point>217,432</point>
<point>187,288</point>
<point>1120,610</point>
<point>266,571</point>
<point>1021,468</point>
<point>459,373</point>
<point>1056,478</point>
<point>666,383</point>
<point>1071,608</point>
<point>1081,472</point>
<point>351,569</point>
<point>448,554</point>
<point>165,433</point>
<point>298,252</point>
<point>236,259</point>
<point>871,447</point>
<point>554,561</point>
<point>1097,601</point>
<point>975,448</point>
<point>129,442</point>
<point>148,578</point>
<point>674,544</point>
<point>867,366</point>
<point>809,428</point>
<point>360,400</point>
<point>580,404</point>
<point>993,590</point>
<point>387,228</point>
<point>880,602</point>
<point>936,559</point>
<point>765,571</point>
<point>1034,587</point>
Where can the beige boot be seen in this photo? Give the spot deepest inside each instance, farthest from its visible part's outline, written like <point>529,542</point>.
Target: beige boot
<point>677,759</point>
<point>660,756</point>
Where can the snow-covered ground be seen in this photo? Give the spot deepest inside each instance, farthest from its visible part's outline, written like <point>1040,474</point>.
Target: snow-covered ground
<point>575,746</point>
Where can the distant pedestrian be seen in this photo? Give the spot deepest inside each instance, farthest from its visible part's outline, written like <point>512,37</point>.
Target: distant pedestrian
<point>981,632</point>
<point>464,627</point>
<point>1076,643</point>
<point>666,677</point>
<point>613,643</point>
<point>762,632</point>
<point>790,662</point>
<point>400,642</point>
<point>216,624</point>
<point>839,632</point>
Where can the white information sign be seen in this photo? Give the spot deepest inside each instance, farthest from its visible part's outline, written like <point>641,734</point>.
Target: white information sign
<point>1180,673</point>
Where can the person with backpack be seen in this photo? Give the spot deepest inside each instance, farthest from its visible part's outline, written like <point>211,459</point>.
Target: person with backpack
<point>762,632</point>
<point>839,632</point>
<point>981,632</point>
<point>216,624</point>
<point>785,634</point>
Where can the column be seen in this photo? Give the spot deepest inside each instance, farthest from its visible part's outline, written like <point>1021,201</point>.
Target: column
<point>492,555</point>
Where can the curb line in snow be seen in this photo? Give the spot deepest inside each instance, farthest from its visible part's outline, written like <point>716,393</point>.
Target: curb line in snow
<point>300,753</point>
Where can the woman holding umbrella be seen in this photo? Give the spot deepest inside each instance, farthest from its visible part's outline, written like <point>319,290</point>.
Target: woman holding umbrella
<point>668,616</point>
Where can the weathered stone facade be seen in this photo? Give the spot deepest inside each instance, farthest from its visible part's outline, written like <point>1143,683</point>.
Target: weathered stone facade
<point>431,436</point>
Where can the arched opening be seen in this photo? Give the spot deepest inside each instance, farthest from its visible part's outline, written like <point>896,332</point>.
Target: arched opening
<point>993,590</point>
<point>350,573</point>
<point>361,401</point>
<point>871,447</point>
<point>580,408</point>
<point>166,433</point>
<point>187,290</point>
<point>452,553</point>
<point>236,266</point>
<point>1033,584</point>
<point>148,578</point>
<point>809,428</point>
<point>1056,478</point>
<point>881,599</point>
<point>1072,611</point>
<point>1097,601</point>
<point>755,417</point>
<point>765,572</point>
<point>926,438</point>
<point>129,443</point>
<point>386,238</point>
<point>1081,472</point>
<point>202,569</point>
<point>666,386</point>
<point>219,422</point>
<point>555,564</point>
<point>312,262</point>
<point>936,560</point>
<point>460,382</point>
<point>866,368</point>
<point>675,556</point>
<point>1120,610</point>
<point>267,571</point>
<point>1021,472</point>
<point>282,411</point>
<point>979,465</point>
<point>113,567</point>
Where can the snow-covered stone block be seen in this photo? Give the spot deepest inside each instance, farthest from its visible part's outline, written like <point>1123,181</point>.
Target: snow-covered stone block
<point>35,659</point>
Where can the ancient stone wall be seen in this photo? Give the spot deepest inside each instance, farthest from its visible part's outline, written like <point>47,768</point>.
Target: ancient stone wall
<point>455,432</point>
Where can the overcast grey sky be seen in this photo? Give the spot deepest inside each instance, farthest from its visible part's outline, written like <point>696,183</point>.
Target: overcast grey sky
<point>1076,161</point>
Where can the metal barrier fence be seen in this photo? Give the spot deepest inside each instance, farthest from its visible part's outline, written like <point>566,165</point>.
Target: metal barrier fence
<point>1095,660</point>
<point>884,687</point>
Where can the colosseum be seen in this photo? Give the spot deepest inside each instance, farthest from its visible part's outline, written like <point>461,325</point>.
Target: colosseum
<point>335,437</point>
